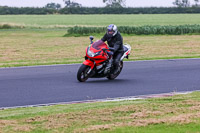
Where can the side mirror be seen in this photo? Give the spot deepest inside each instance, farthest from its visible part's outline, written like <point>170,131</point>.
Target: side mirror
<point>91,38</point>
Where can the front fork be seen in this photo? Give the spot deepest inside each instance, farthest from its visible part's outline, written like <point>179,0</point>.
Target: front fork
<point>89,63</point>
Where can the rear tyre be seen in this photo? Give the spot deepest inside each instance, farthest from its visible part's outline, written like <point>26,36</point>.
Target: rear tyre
<point>113,76</point>
<point>82,74</point>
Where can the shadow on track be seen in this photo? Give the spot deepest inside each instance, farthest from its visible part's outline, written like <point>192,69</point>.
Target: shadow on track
<point>116,81</point>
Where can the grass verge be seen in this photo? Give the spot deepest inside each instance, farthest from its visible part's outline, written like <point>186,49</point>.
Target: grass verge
<point>48,21</point>
<point>179,113</point>
<point>10,26</point>
<point>46,47</point>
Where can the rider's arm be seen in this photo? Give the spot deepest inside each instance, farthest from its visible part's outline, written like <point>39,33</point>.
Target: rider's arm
<point>104,38</point>
<point>118,43</point>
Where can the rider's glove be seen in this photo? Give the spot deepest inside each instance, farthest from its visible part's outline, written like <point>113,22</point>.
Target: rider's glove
<point>110,53</point>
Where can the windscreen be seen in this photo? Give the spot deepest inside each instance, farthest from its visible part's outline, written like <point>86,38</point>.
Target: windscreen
<point>98,45</point>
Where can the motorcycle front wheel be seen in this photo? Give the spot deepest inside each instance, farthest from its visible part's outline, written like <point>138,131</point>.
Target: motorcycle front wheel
<point>113,76</point>
<point>82,74</point>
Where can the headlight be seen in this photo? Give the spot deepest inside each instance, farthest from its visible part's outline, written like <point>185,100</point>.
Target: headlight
<point>92,54</point>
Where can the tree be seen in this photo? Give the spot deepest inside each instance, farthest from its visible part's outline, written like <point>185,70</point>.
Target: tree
<point>58,6</point>
<point>68,3</point>
<point>182,3</point>
<point>177,3</point>
<point>114,3</point>
<point>185,3</point>
<point>53,6</point>
<point>196,3</point>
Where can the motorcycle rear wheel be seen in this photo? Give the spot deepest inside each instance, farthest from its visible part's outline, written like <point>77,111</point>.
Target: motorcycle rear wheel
<point>82,74</point>
<point>113,76</point>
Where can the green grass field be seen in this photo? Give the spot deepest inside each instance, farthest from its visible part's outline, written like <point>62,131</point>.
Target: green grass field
<point>47,21</point>
<point>45,47</point>
<point>176,114</point>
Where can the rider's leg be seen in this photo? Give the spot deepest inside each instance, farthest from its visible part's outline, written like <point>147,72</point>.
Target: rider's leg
<point>116,60</point>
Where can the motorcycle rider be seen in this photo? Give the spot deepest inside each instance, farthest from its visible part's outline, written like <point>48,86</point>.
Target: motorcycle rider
<point>114,40</point>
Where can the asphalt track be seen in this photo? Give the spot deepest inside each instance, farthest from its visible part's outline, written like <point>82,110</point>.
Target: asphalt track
<point>54,84</point>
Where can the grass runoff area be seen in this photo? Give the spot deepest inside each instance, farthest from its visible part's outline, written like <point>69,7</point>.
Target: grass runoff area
<point>39,40</point>
<point>175,114</point>
<point>44,47</point>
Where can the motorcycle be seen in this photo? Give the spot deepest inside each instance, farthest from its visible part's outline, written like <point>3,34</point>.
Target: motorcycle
<point>99,63</point>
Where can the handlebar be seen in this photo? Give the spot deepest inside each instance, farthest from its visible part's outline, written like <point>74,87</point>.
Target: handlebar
<point>111,49</point>
<point>109,53</point>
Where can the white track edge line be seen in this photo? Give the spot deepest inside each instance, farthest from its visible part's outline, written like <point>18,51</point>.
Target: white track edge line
<point>106,100</point>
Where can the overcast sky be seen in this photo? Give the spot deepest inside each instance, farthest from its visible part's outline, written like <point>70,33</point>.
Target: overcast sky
<point>87,3</point>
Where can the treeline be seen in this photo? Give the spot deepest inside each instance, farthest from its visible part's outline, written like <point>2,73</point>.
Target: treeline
<point>25,10</point>
<point>139,30</point>
<point>94,10</point>
<point>152,10</point>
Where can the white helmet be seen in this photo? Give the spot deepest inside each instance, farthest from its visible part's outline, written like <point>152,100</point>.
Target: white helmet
<point>112,30</point>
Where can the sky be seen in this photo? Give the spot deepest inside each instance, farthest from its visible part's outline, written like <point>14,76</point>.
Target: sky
<point>87,3</point>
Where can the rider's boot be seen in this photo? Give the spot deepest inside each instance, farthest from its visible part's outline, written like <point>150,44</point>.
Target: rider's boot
<point>116,68</point>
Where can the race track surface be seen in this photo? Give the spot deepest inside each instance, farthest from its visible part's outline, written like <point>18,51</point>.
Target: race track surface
<point>53,84</point>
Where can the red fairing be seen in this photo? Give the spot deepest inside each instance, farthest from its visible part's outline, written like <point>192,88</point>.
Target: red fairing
<point>89,63</point>
<point>95,54</point>
<point>97,47</point>
<point>128,52</point>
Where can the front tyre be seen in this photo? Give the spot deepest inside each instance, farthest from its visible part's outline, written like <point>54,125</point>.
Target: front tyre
<point>82,74</point>
<point>113,76</point>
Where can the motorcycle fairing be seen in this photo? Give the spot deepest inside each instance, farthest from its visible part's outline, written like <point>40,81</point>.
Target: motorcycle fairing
<point>96,49</point>
<point>127,50</point>
<point>89,63</point>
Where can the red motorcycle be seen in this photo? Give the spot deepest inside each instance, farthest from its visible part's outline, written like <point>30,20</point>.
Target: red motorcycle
<point>98,61</point>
